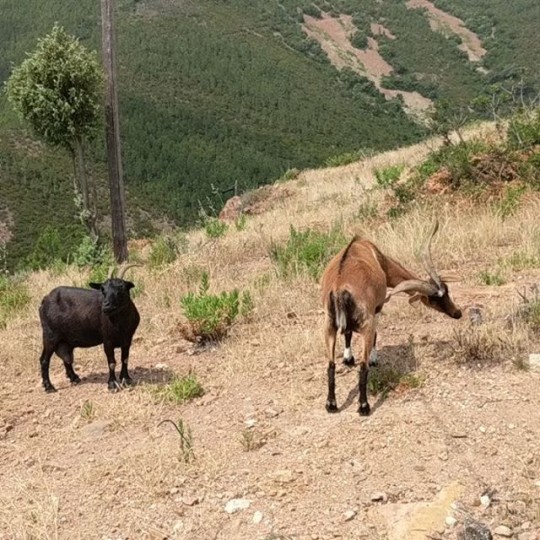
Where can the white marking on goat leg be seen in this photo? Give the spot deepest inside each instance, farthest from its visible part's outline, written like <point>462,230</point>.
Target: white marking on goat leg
<point>347,354</point>
<point>373,357</point>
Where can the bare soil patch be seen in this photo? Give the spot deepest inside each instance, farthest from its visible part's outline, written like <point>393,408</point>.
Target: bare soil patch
<point>443,22</point>
<point>334,35</point>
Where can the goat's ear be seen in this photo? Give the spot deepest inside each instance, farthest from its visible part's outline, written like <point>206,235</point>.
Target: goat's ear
<point>95,286</point>
<point>415,298</point>
<point>129,285</point>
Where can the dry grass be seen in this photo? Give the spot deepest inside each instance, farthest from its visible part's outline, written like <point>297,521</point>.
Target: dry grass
<point>128,480</point>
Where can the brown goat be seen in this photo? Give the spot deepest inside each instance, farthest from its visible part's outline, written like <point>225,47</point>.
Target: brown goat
<point>354,289</point>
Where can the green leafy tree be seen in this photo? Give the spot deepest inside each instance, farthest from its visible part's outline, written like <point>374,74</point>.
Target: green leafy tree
<point>58,91</point>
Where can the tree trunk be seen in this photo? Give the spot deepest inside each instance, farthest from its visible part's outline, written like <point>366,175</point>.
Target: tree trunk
<point>114,158</point>
<point>88,212</point>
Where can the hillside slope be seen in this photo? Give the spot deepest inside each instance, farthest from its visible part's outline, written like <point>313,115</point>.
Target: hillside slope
<point>463,422</point>
<point>223,96</point>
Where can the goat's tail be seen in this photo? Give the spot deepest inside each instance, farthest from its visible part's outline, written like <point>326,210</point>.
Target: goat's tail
<point>344,311</point>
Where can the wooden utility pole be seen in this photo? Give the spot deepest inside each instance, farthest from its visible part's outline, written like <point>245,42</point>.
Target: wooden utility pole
<point>114,158</point>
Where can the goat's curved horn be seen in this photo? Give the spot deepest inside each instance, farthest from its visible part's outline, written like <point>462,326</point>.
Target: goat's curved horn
<point>111,272</point>
<point>416,285</point>
<point>426,256</point>
<point>125,269</point>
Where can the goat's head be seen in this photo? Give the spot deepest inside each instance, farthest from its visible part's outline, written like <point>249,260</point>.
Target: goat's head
<point>432,292</point>
<point>115,291</point>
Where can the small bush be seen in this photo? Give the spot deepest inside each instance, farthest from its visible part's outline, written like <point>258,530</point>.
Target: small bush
<point>214,227</point>
<point>91,253</point>
<point>165,250</point>
<point>510,203</point>
<point>388,176</point>
<point>367,210</point>
<point>306,252</point>
<point>491,278</point>
<point>529,309</point>
<point>483,345</point>
<point>180,389</point>
<point>14,296</point>
<point>210,316</point>
<point>524,129</point>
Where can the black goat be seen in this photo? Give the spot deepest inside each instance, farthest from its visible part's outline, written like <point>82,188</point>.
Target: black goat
<point>73,317</point>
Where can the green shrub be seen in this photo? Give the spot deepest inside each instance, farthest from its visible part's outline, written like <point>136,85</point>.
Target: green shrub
<point>47,249</point>
<point>14,296</point>
<point>91,253</point>
<point>166,249</point>
<point>210,316</point>
<point>492,278</point>
<point>524,129</point>
<point>388,176</point>
<point>510,202</point>
<point>306,252</point>
<point>180,389</point>
<point>240,222</point>
<point>214,227</point>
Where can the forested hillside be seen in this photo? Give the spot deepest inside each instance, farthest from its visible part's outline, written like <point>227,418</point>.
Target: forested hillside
<point>220,95</point>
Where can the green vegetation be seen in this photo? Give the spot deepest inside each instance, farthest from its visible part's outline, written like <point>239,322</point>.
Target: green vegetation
<point>196,76</point>
<point>180,389</point>
<point>88,410</point>
<point>210,316</point>
<point>214,227</point>
<point>14,296</point>
<point>58,91</point>
<point>306,252</point>
<point>491,277</point>
<point>166,249</point>
<point>388,176</point>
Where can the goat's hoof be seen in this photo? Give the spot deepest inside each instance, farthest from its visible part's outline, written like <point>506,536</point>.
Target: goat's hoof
<point>331,407</point>
<point>349,362</point>
<point>49,388</point>
<point>113,386</point>
<point>364,409</point>
<point>75,380</point>
<point>127,381</point>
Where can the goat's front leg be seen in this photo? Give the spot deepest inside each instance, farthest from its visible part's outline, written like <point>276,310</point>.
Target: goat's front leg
<point>112,384</point>
<point>330,339</point>
<point>124,375</point>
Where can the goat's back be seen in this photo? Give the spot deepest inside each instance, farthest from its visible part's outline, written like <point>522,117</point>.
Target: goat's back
<point>356,269</point>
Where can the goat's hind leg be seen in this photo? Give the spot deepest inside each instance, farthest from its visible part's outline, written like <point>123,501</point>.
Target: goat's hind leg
<point>348,358</point>
<point>368,337</point>
<point>45,362</point>
<point>65,352</point>
<point>330,339</point>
